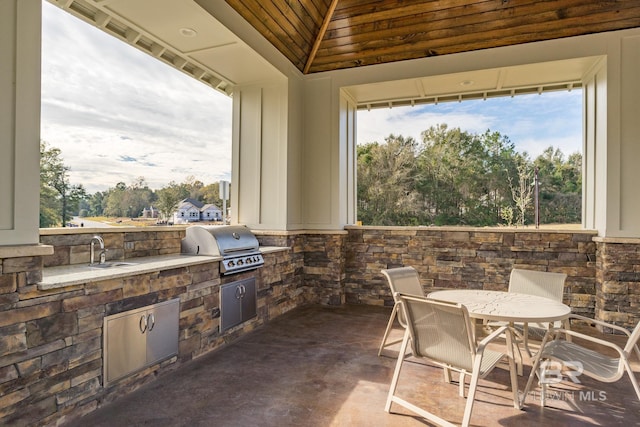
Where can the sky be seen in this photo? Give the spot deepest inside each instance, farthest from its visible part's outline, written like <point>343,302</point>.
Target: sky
<point>118,114</point>
<point>532,122</point>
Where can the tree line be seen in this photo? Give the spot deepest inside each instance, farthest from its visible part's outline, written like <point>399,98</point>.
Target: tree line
<point>60,200</point>
<point>450,177</point>
<point>453,177</point>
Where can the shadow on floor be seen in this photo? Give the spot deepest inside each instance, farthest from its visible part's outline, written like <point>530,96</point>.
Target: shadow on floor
<point>318,366</point>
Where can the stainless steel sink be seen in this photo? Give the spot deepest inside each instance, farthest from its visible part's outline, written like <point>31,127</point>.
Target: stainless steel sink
<point>112,264</point>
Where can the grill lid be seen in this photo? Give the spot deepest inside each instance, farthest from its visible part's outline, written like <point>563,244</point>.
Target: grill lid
<point>235,243</point>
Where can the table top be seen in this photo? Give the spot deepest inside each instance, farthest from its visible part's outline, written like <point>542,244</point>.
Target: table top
<point>505,306</point>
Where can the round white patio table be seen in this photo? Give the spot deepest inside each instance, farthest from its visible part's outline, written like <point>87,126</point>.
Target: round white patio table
<point>505,306</point>
<point>509,307</point>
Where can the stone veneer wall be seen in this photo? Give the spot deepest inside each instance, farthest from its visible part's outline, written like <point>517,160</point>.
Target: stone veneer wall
<point>51,341</point>
<point>472,258</point>
<point>74,247</point>
<point>618,281</point>
<point>324,266</point>
<point>321,256</point>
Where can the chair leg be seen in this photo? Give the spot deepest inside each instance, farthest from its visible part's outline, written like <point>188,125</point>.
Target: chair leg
<point>534,369</point>
<point>473,385</point>
<point>461,384</point>
<point>394,313</point>
<point>519,362</point>
<point>396,373</point>
<point>525,342</point>
<point>447,375</point>
<point>513,370</point>
<point>632,377</point>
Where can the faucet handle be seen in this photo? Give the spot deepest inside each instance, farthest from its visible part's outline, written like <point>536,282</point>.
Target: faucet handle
<point>103,256</point>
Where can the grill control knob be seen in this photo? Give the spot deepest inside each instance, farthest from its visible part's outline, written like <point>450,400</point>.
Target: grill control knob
<point>249,260</point>
<point>240,262</point>
<point>231,264</point>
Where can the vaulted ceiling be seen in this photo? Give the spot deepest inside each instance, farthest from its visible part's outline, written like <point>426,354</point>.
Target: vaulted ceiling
<point>324,35</point>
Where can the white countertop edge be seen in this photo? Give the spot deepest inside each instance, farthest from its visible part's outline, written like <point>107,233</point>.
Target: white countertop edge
<point>272,249</point>
<point>69,275</point>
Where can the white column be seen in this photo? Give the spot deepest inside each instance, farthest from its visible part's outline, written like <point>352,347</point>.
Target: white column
<point>20,49</point>
<point>260,172</point>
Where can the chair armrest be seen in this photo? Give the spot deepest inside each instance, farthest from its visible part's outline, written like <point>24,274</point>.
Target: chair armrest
<point>600,322</point>
<point>493,335</point>
<point>592,339</point>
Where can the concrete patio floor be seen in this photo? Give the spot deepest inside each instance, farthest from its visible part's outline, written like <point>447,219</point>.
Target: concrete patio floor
<point>318,366</point>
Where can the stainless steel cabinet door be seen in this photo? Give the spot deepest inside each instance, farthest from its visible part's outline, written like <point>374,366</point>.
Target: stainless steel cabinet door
<point>125,344</point>
<point>249,301</point>
<point>237,303</point>
<point>139,338</point>
<point>230,305</point>
<point>162,332</point>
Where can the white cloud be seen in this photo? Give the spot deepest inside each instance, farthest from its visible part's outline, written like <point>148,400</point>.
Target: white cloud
<point>376,125</point>
<point>531,122</point>
<point>117,114</point>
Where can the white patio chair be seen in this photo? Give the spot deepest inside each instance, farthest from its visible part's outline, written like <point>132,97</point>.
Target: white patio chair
<point>539,283</point>
<point>404,280</point>
<point>442,332</point>
<point>595,364</point>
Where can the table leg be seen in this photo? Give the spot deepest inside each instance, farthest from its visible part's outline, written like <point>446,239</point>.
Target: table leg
<point>512,368</point>
<point>514,341</point>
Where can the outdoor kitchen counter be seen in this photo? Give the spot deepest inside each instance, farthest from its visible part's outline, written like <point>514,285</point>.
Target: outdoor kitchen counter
<point>69,275</point>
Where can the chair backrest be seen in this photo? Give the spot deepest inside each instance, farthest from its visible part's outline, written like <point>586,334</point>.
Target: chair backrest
<point>404,280</point>
<point>538,283</point>
<point>440,331</point>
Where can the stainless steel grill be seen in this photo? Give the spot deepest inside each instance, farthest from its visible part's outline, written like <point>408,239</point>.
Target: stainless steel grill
<point>236,244</point>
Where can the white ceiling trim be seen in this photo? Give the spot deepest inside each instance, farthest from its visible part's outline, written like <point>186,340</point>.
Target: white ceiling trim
<point>96,13</point>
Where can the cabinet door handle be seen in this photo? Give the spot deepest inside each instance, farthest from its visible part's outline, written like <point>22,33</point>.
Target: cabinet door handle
<point>151,320</point>
<point>238,291</point>
<point>143,324</point>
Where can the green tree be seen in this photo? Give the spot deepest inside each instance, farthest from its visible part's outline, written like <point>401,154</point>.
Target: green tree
<point>114,200</point>
<point>193,188</point>
<point>463,176</point>
<point>59,199</point>
<point>522,190</point>
<point>128,201</point>
<point>95,205</point>
<point>168,199</point>
<point>386,182</point>
<point>211,194</point>
<point>560,185</point>
<point>454,177</point>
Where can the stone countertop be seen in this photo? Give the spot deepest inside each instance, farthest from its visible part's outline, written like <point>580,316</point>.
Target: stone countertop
<point>69,275</point>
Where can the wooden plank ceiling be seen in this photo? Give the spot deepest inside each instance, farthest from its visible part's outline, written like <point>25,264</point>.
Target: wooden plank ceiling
<point>324,35</point>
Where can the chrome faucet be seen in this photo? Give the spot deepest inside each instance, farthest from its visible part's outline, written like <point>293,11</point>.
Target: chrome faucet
<point>103,251</point>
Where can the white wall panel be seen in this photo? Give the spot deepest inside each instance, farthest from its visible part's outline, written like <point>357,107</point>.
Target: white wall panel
<point>630,136</point>
<point>320,172</point>
<point>20,29</point>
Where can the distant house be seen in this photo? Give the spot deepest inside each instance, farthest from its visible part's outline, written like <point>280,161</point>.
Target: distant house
<point>210,212</point>
<point>191,210</point>
<point>150,212</point>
